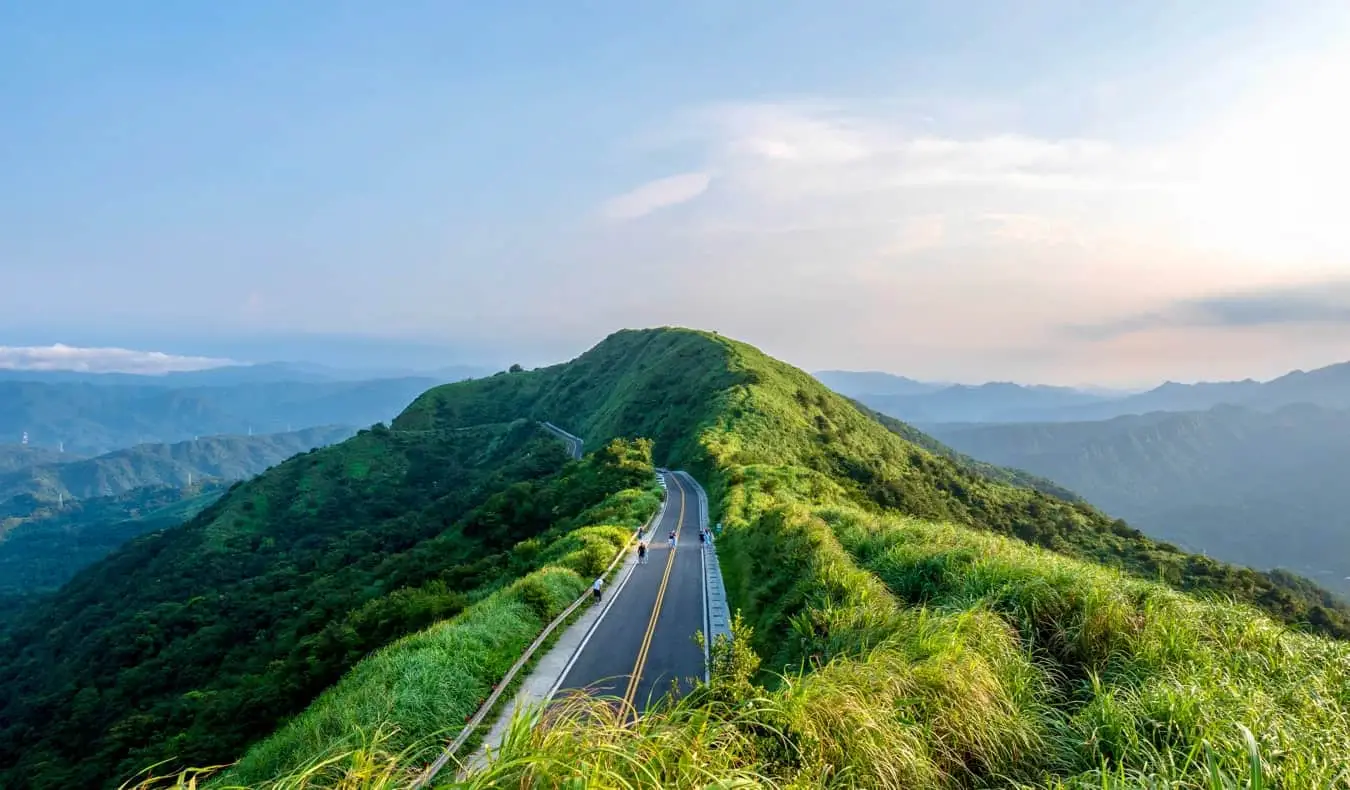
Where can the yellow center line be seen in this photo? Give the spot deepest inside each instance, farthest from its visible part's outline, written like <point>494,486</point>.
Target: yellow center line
<point>641,662</point>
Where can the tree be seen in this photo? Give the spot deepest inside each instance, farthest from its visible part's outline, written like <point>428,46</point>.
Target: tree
<point>516,368</point>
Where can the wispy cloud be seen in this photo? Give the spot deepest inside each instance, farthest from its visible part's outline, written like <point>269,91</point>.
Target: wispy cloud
<point>657,194</point>
<point>100,360</point>
<point>1326,303</point>
<point>791,150</point>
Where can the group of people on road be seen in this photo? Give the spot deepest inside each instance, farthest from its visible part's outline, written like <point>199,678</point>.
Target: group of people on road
<point>703,539</point>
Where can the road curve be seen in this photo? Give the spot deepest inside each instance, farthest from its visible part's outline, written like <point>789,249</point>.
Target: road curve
<point>573,441</point>
<point>644,640</point>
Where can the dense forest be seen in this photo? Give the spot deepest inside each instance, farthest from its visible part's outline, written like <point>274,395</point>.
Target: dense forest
<point>189,643</point>
<point>41,552</point>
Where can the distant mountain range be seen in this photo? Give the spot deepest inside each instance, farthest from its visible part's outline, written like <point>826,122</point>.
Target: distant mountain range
<point>853,383</point>
<point>263,373</point>
<point>1257,487</point>
<point>926,404</point>
<point>22,491</point>
<point>91,419</point>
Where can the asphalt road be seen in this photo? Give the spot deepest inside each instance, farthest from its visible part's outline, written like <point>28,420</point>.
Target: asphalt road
<point>645,639</point>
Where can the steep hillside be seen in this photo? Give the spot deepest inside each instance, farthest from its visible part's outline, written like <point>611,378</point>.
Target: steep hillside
<point>98,418</point>
<point>941,627</point>
<point>40,553</point>
<point>1263,489</point>
<point>190,643</point>
<point>222,457</point>
<point>711,403</point>
<point>928,644</point>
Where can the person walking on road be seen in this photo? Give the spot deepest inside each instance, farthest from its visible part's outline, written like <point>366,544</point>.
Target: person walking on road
<point>642,553</point>
<point>672,538</point>
<point>595,588</point>
<point>702,538</point>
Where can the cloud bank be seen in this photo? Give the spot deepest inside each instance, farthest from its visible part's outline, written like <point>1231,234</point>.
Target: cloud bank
<point>101,360</point>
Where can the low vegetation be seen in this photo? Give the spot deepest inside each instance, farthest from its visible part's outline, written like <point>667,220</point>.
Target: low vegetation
<point>908,619</point>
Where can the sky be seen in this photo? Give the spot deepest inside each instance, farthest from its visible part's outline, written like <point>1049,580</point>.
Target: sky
<point>1049,192</point>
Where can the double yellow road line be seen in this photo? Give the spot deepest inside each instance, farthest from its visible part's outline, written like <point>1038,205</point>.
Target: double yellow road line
<point>641,662</point>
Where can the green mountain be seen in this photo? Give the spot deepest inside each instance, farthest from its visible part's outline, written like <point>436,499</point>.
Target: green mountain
<point>1259,488</point>
<point>940,623</point>
<point>40,553</point>
<point>95,418</point>
<point>222,457</point>
<point>190,642</point>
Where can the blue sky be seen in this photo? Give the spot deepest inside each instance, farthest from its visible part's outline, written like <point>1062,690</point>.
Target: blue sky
<point>1040,191</point>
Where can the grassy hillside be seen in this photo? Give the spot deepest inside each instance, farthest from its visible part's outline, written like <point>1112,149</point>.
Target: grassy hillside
<point>222,457</point>
<point>191,643</point>
<point>40,553</point>
<point>715,405</point>
<point>915,621</point>
<point>1263,489</point>
<point>927,643</point>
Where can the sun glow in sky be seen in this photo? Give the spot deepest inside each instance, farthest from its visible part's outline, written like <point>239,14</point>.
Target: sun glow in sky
<point>1051,191</point>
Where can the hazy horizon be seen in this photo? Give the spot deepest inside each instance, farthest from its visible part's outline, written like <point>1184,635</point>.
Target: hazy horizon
<point>1050,192</point>
<point>65,358</point>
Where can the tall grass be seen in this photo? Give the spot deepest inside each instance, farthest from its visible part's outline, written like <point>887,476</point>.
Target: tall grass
<point>427,684</point>
<point>881,650</point>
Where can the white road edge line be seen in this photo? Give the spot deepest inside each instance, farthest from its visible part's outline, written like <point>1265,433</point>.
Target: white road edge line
<point>614,596</point>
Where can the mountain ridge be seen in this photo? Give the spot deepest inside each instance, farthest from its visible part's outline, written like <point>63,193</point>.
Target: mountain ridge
<point>901,586</point>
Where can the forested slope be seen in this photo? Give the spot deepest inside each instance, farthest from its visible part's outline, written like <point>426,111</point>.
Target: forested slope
<point>225,457</point>
<point>191,643</point>
<point>40,553</point>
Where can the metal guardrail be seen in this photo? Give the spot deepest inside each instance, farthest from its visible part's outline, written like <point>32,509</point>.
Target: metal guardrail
<point>716,619</point>
<point>574,442</point>
<point>500,687</point>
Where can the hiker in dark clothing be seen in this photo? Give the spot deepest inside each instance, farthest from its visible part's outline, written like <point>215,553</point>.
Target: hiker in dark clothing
<point>642,553</point>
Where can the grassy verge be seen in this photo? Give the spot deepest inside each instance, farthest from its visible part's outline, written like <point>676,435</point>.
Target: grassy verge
<point>932,655</point>
<point>414,691</point>
<point>417,685</point>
